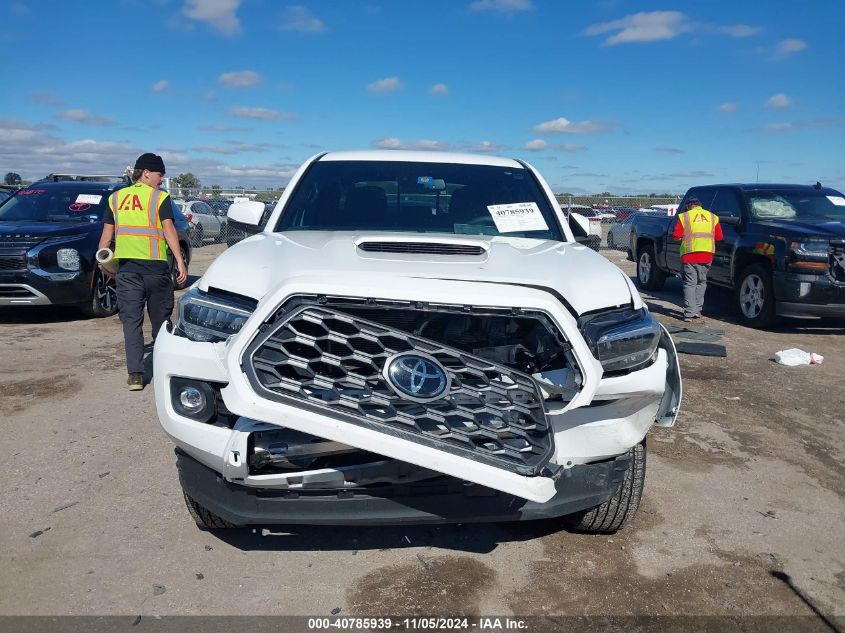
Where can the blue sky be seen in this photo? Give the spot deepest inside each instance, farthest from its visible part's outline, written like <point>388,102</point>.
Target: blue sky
<point>612,95</point>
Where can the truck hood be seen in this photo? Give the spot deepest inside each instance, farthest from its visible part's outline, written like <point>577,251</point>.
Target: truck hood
<point>579,276</point>
<point>45,230</point>
<point>821,229</point>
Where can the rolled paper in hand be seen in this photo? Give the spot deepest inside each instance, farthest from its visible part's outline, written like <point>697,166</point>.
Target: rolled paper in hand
<point>105,257</point>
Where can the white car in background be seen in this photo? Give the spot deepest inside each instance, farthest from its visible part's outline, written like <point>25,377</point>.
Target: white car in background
<point>413,337</point>
<point>206,223</point>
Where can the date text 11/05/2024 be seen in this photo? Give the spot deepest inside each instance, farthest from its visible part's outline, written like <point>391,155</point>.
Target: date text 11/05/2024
<point>418,623</point>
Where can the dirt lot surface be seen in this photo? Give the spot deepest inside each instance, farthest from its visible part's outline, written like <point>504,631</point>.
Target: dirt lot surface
<point>742,512</point>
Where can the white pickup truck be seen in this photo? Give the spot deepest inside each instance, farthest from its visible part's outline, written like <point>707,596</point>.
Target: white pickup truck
<point>412,337</point>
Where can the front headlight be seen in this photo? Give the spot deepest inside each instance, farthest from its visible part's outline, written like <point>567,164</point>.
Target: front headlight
<point>622,340</point>
<point>67,258</point>
<point>210,318</point>
<point>812,248</point>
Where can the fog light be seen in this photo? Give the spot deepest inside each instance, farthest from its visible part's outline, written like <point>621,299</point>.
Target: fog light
<point>192,399</point>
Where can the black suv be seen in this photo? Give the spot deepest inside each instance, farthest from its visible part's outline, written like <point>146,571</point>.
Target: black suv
<point>49,232</point>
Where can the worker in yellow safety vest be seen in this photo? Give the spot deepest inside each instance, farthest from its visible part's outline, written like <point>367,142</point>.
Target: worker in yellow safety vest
<point>140,219</point>
<point>698,230</point>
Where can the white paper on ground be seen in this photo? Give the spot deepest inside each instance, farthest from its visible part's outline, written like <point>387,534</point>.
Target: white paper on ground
<point>793,357</point>
<point>517,216</point>
<point>88,198</point>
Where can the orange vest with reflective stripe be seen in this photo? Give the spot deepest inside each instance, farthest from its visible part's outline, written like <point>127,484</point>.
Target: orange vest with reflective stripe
<point>137,227</point>
<point>699,231</point>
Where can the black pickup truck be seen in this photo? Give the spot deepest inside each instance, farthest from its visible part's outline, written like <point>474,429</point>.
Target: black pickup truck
<point>783,251</point>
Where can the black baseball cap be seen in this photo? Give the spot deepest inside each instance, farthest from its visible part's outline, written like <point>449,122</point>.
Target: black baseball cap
<point>150,162</point>
<point>693,201</point>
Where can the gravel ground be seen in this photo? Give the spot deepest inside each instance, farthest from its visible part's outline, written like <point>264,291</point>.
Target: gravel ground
<point>742,512</point>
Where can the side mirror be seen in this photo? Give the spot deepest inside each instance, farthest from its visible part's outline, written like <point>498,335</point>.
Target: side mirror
<point>248,214</point>
<point>579,225</point>
<point>730,220</point>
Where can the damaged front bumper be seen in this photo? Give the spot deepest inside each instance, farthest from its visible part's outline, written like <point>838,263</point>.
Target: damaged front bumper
<point>386,474</point>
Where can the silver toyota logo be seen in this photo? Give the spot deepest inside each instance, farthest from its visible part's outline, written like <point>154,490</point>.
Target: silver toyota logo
<point>416,376</point>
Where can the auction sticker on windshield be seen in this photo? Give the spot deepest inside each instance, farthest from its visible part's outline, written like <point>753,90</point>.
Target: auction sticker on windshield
<point>87,198</point>
<point>517,216</point>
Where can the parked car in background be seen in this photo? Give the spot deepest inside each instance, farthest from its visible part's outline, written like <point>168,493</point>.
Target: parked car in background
<point>206,223</point>
<point>593,238</point>
<point>602,215</point>
<point>623,213</point>
<point>220,205</point>
<point>783,251</point>
<point>183,230</point>
<point>619,233</point>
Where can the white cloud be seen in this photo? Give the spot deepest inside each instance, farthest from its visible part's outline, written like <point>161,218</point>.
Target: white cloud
<point>777,127</point>
<point>696,173</point>
<point>501,6</point>
<point>209,95</point>
<point>643,27</point>
<point>439,89</point>
<point>160,86</point>
<point>222,128</point>
<point>484,147</point>
<point>391,142</point>
<point>78,115</point>
<point>668,150</point>
<point>261,114</point>
<point>788,47</point>
<point>740,30</point>
<point>300,19</point>
<point>779,100</point>
<point>565,126</point>
<point>221,15</point>
<point>728,107</point>
<point>537,145</point>
<point>388,84</point>
<point>240,79</point>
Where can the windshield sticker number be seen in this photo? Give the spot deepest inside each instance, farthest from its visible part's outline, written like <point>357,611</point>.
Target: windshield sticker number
<point>31,192</point>
<point>88,198</point>
<point>839,201</point>
<point>518,216</point>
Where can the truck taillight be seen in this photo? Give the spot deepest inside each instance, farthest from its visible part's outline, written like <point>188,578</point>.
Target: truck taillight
<point>190,217</point>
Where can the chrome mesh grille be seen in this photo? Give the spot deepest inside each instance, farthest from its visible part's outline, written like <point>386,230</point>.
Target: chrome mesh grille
<point>332,362</point>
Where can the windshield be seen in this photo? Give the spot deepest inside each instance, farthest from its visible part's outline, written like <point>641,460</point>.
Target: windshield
<point>54,204</point>
<point>419,197</point>
<point>819,206</point>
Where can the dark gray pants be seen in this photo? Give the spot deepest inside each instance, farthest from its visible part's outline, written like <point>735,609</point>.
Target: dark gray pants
<point>695,285</point>
<point>133,291</point>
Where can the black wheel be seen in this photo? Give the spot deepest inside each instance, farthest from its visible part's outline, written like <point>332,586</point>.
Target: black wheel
<point>204,519</point>
<point>174,271</point>
<point>649,276</point>
<point>622,506</point>
<point>755,296</point>
<point>103,301</point>
<point>196,235</point>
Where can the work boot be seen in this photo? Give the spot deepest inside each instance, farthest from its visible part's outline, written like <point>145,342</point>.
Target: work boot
<point>135,381</point>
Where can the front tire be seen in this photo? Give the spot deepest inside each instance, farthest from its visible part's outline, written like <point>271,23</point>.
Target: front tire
<point>205,519</point>
<point>649,276</point>
<point>103,300</point>
<point>755,296</point>
<point>622,506</point>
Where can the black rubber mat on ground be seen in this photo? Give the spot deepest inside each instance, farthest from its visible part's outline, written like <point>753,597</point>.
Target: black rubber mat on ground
<point>701,349</point>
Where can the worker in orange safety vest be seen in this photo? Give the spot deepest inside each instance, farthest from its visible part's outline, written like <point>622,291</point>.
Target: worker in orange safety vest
<point>698,230</point>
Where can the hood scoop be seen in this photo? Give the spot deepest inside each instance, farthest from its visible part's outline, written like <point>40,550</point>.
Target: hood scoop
<point>421,248</point>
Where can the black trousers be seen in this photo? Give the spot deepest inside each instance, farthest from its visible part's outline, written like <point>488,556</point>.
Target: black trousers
<point>133,291</point>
